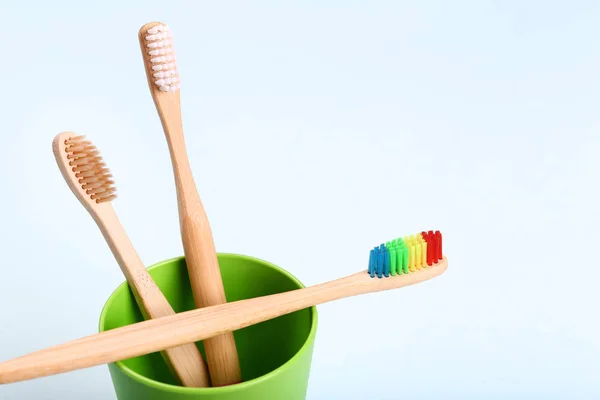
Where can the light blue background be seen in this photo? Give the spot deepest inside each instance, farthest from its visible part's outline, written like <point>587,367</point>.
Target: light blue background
<point>317,129</point>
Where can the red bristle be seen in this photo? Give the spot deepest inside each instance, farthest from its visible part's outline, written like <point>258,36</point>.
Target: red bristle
<point>433,245</point>
<point>427,239</point>
<point>438,239</point>
<point>433,240</point>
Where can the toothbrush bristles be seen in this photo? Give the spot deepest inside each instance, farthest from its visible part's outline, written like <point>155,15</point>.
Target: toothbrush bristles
<point>406,255</point>
<point>87,165</point>
<point>161,54</point>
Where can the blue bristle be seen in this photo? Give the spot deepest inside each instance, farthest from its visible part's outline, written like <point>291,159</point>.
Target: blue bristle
<point>386,262</point>
<point>382,255</point>
<point>380,259</point>
<point>372,263</point>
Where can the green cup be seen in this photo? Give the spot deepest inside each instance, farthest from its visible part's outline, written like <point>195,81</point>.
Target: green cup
<point>275,355</point>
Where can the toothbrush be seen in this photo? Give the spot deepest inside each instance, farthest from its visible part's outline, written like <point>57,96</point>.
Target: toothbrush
<point>393,265</point>
<point>86,174</point>
<point>200,254</point>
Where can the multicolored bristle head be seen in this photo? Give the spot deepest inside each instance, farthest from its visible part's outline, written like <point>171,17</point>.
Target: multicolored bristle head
<point>406,255</point>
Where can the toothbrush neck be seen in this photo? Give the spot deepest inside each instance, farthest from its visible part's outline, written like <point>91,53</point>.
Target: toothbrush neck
<point>187,193</point>
<point>119,242</point>
<point>179,158</point>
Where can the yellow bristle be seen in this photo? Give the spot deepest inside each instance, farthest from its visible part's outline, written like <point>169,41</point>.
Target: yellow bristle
<point>410,240</point>
<point>422,261</point>
<point>417,253</point>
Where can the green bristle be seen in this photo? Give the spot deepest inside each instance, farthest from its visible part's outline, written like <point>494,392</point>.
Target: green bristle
<point>405,259</point>
<point>398,258</point>
<point>397,265</point>
<point>402,256</point>
<point>393,259</point>
<point>388,245</point>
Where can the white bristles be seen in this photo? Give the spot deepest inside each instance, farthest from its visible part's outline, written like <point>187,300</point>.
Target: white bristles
<point>160,48</point>
<point>171,88</point>
<point>160,52</point>
<point>157,28</point>
<point>162,59</point>
<point>162,43</point>
<point>165,74</point>
<point>162,67</point>
<point>166,81</point>
<point>159,36</point>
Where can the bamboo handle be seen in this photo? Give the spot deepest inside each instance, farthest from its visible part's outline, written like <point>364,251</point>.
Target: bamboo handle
<point>185,361</point>
<point>198,245</point>
<point>162,333</point>
<point>208,290</point>
<point>199,249</point>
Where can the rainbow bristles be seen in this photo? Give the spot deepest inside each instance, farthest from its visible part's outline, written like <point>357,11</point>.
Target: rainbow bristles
<point>404,255</point>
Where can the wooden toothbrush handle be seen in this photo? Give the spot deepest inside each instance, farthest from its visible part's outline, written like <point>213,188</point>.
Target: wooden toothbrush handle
<point>207,287</point>
<point>162,333</point>
<point>159,334</point>
<point>198,245</point>
<point>184,361</point>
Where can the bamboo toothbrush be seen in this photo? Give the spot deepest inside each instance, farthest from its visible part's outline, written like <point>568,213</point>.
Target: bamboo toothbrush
<point>89,179</point>
<point>399,263</point>
<point>200,254</point>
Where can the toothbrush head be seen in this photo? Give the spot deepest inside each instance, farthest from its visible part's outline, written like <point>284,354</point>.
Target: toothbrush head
<point>156,42</point>
<point>406,255</point>
<point>83,169</point>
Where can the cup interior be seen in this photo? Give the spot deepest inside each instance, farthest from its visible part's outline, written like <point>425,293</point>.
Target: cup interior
<point>262,348</point>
